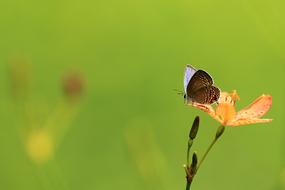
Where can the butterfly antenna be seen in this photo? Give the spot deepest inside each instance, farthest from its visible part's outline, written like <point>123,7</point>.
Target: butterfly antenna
<point>179,92</point>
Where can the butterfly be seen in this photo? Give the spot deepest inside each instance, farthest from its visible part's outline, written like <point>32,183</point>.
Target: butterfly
<point>198,87</point>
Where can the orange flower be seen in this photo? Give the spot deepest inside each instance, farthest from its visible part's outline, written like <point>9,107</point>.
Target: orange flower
<point>225,112</point>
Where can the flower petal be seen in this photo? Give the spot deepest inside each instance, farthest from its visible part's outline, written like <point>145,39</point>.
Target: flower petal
<point>247,121</point>
<point>256,109</point>
<point>208,109</point>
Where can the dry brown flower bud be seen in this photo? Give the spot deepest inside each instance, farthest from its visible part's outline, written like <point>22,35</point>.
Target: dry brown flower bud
<point>73,85</point>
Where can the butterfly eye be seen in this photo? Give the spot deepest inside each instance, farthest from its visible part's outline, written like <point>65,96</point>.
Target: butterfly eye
<point>184,96</point>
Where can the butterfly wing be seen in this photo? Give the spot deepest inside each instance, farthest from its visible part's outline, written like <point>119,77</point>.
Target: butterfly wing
<point>205,95</point>
<point>189,72</point>
<point>199,80</point>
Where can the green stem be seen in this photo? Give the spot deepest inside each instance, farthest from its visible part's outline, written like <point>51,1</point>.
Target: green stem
<point>188,153</point>
<point>206,153</point>
<point>188,184</point>
<point>218,135</point>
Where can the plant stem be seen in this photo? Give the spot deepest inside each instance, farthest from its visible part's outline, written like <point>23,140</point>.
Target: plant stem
<point>188,184</point>
<point>206,153</point>
<point>218,135</point>
<point>188,153</point>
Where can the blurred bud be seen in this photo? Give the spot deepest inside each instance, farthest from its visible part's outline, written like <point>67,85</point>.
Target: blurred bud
<point>195,128</point>
<point>73,85</point>
<point>194,162</point>
<point>19,73</point>
<point>40,146</point>
<point>220,131</point>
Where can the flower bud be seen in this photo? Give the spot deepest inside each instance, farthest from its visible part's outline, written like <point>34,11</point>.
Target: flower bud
<point>73,85</point>
<point>220,131</point>
<point>194,162</point>
<point>194,128</point>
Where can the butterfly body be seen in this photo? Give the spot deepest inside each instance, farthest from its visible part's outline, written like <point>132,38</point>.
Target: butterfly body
<point>198,87</point>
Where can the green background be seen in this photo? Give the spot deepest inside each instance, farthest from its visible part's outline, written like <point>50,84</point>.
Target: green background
<point>131,128</point>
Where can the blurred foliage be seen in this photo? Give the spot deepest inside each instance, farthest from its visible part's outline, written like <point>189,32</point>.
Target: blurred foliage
<point>127,128</point>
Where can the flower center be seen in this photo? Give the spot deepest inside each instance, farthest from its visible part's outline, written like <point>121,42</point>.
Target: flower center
<point>226,110</point>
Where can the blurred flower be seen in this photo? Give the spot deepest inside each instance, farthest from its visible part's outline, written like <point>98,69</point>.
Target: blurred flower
<point>73,85</point>
<point>225,112</point>
<point>40,146</point>
<point>19,73</point>
<point>144,150</point>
